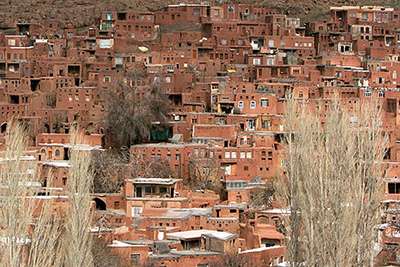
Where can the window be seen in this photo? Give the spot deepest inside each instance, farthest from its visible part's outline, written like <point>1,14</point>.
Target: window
<point>300,94</point>
<point>271,43</point>
<point>394,188</point>
<point>364,16</point>
<point>231,9</point>
<point>233,155</point>
<point>167,79</point>
<point>57,153</point>
<point>107,79</point>
<point>136,211</point>
<point>391,105</point>
<point>256,61</point>
<point>116,204</point>
<point>264,103</point>
<point>216,12</point>
<point>240,42</point>
<point>223,42</point>
<point>11,42</point>
<point>380,80</point>
<point>227,155</point>
<point>353,119</point>
<point>242,155</point>
<point>177,157</point>
<point>196,152</point>
<point>109,16</point>
<point>248,155</point>
<point>240,104</point>
<point>252,104</point>
<point>250,125</point>
<point>227,169</point>
<point>381,94</point>
<point>163,190</point>
<point>270,61</point>
<point>105,43</point>
<point>265,124</point>
<point>367,93</point>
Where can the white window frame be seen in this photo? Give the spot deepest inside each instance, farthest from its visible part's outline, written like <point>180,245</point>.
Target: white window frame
<point>367,93</point>
<point>264,102</point>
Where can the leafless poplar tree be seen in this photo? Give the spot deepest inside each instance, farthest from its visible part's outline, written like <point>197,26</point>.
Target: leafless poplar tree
<point>332,182</point>
<point>17,190</point>
<point>46,245</point>
<point>78,239</point>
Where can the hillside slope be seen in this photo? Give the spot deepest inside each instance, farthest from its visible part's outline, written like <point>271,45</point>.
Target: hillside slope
<point>82,13</point>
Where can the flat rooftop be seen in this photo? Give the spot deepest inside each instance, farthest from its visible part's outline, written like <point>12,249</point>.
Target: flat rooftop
<point>161,181</point>
<point>195,234</point>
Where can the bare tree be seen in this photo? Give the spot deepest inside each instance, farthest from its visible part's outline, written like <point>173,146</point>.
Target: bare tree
<point>110,169</point>
<point>204,174</point>
<point>103,257</point>
<point>78,240</point>
<point>46,241</point>
<point>231,259</point>
<point>132,114</point>
<point>60,120</point>
<point>144,167</point>
<point>262,197</point>
<point>332,183</point>
<point>18,187</point>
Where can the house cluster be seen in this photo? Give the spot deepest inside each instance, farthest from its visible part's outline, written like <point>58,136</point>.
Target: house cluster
<point>226,70</point>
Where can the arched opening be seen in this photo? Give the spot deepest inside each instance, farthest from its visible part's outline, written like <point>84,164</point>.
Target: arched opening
<point>4,127</point>
<point>262,219</point>
<point>100,204</point>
